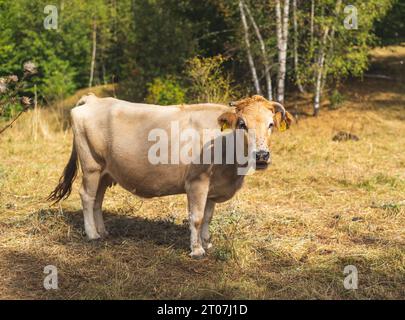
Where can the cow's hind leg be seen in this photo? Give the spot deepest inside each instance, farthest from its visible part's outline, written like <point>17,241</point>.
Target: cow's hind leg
<point>104,183</point>
<point>205,230</point>
<point>91,169</point>
<point>197,191</point>
<point>88,193</point>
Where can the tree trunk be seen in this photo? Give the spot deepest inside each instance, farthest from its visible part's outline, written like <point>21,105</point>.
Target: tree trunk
<point>320,72</point>
<point>322,68</point>
<point>249,52</point>
<point>264,53</point>
<point>332,42</point>
<point>93,54</point>
<point>282,41</point>
<point>312,23</point>
<point>60,16</point>
<point>296,61</point>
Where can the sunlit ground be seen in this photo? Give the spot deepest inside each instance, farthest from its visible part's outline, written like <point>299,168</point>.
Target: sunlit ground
<point>289,232</point>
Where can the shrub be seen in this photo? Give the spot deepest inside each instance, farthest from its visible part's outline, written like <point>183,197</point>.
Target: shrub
<point>165,91</point>
<point>208,81</point>
<point>58,80</point>
<point>13,102</point>
<point>336,99</point>
<point>10,109</point>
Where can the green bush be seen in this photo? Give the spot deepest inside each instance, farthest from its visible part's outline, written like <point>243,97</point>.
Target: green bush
<point>58,80</point>
<point>9,110</point>
<point>165,91</point>
<point>208,81</point>
<point>336,99</point>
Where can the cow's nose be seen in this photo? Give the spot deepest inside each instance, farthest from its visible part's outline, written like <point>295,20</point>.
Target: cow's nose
<point>262,155</point>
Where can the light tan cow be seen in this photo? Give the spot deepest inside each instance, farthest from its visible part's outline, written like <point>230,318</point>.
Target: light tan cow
<point>112,142</point>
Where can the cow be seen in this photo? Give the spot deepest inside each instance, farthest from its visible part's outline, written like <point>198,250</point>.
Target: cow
<point>112,142</point>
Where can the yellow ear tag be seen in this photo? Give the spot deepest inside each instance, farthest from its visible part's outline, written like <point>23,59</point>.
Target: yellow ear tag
<point>225,127</point>
<point>283,126</point>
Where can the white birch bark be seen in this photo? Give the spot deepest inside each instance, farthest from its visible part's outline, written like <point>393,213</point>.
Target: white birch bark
<point>248,49</point>
<point>282,41</point>
<point>295,50</point>
<point>319,72</point>
<point>264,53</point>
<point>93,54</point>
<point>312,22</point>
<point>322,67</point>
<point>332,42</point>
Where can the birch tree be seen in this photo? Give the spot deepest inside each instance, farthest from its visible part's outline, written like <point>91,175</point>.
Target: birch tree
<point>312,23</point>
<point>319,71</point>
<point>263,51</point>
<point>330,54</point>
<point>326,47</point>
<point>295,49</point>
<point>282,40</point>
<point>93,53</point>
<point>248,48</point>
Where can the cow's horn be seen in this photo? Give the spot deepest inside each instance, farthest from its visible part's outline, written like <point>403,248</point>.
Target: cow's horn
<point>280,108</point>
<point>232,104</point>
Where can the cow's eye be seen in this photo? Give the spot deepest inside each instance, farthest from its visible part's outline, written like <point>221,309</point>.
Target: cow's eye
<point>242,124</point>
<point>271,125</point>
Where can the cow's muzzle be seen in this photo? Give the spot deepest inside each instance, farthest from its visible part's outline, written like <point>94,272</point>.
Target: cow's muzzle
<point>262,159</point>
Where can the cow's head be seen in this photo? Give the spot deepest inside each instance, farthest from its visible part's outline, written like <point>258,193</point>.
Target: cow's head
<point>261,115</point>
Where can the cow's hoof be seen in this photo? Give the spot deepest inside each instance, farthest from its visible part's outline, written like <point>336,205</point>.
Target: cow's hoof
<point>94,236</point>
<point>207,245</point>
<point>197,253</point>
<point>104,234</point>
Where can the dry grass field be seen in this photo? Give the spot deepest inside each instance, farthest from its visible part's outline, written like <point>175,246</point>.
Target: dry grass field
<point>288,234</point>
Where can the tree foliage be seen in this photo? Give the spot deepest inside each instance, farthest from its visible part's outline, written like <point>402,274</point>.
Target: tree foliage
<point>144,42</point>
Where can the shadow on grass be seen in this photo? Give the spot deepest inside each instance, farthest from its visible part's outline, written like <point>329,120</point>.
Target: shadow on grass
<point>121,227</point>
<point>139,260</point>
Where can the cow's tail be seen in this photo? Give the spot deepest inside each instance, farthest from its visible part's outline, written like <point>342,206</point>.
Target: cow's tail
<point>64,187</point>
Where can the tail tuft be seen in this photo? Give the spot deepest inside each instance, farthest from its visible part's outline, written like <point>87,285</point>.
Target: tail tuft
<point>64,187</point>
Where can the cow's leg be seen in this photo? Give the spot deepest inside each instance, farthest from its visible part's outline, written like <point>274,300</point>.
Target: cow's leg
<point>205,230</point>
<point>91,177</point>
<point>88,193</point>
<point>98,213</point>
<point>197,191</point>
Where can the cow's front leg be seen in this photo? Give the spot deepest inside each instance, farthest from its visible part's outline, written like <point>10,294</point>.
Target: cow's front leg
<point>197,191</point>
<point>205,230</point>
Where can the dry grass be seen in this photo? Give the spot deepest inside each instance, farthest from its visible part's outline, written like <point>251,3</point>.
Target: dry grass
<point>288,234</point>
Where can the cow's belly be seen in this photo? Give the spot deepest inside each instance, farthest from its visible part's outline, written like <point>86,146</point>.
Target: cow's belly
<point>147,180</point>
<point>126,161</point>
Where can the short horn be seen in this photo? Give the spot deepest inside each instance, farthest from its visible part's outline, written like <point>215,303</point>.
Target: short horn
<point>279,107</point>
<point>232,104</point>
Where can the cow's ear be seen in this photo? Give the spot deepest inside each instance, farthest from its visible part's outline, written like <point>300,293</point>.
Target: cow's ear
<point>289,118</point>
<point>283,124</point>
<point>227,120</point>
